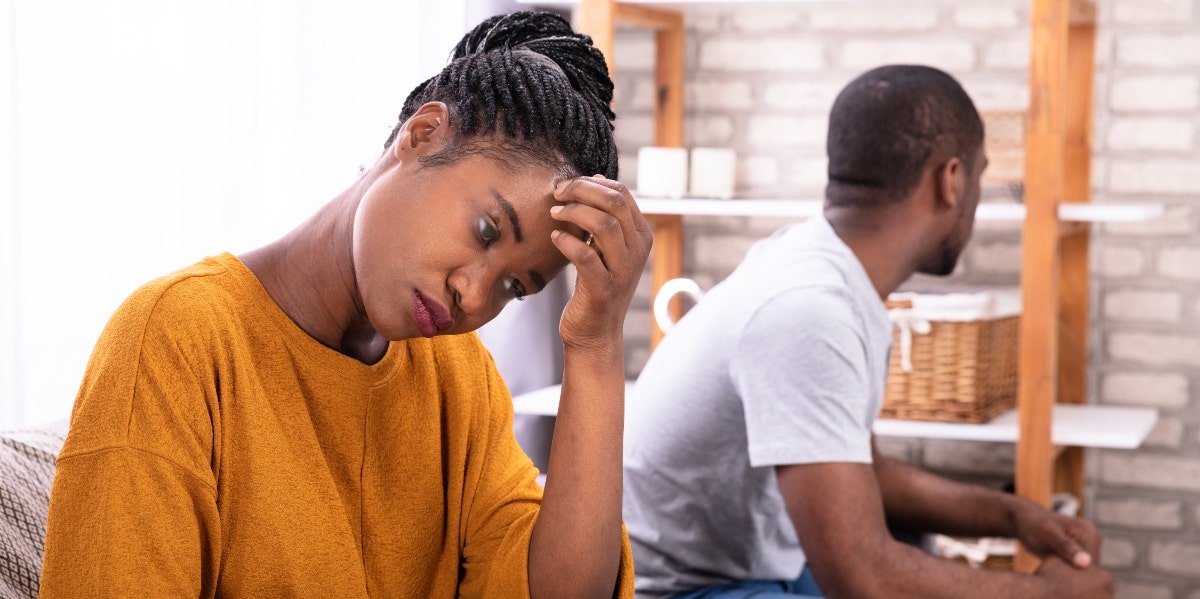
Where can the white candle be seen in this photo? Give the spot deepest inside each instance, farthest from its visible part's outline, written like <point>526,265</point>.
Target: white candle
<point>713,173</point>
<point>662,172</point>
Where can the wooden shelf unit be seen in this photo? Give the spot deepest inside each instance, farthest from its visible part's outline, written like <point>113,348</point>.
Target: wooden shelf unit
<point>1054,263</point>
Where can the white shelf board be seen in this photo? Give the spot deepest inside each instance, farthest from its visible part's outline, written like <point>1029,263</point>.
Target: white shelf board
<point>544,401</point>
<point>788,208</point>
<point>1109,427</point>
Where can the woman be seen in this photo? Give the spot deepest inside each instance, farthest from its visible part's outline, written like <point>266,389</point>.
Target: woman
<point>309,418</point>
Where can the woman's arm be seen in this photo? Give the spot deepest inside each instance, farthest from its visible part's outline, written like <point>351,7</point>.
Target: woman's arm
<point>575,550</point>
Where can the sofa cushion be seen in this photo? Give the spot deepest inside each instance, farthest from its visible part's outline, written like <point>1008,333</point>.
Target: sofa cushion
<point>26,473</point>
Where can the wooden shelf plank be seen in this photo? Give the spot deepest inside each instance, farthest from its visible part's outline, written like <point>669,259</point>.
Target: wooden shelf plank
<point>1108,427</point>
<point>808,208</point>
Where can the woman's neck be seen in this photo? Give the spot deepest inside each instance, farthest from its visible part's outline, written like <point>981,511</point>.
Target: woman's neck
<point>310,274</point>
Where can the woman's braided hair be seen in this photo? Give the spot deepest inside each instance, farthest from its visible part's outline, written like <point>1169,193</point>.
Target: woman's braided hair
<point>524,83</point>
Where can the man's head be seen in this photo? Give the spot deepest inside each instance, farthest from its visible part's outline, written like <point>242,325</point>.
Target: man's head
<point>904,133</point>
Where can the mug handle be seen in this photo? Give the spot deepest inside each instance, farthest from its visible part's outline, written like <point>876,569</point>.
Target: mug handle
<point>662,300</point>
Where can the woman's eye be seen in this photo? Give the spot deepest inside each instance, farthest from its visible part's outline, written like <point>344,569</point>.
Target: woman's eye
<point>488,233</point>
<point>515,288</point>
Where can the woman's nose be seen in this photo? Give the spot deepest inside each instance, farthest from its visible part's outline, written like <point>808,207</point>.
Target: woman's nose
<point>475,290</point>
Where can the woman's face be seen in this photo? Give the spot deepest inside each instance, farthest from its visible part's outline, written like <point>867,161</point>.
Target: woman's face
<point>441,249</point>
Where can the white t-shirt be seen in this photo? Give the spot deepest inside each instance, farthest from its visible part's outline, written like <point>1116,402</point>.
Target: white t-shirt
<point>784,362</point>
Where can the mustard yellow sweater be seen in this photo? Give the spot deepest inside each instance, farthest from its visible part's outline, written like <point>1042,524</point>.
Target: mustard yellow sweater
<point>217,450</point>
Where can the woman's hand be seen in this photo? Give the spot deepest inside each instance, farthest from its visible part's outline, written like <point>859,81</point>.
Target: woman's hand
<point>610,267</point>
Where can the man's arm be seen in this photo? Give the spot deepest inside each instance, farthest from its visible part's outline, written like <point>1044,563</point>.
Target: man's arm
<point>837,509</point>
<point>923,501</point>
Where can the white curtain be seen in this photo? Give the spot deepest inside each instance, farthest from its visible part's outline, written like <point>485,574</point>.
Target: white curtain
<point>138,136</point>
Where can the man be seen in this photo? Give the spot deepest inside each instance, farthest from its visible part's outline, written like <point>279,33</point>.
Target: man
<point>749,458</point>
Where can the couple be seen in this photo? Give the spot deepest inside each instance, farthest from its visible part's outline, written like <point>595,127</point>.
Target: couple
<point>311,418</point>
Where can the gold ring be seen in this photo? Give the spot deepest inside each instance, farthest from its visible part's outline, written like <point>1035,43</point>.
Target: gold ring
<point>588,238</point>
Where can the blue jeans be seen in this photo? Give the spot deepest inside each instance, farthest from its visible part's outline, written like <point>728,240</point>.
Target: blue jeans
<point>803,587</point>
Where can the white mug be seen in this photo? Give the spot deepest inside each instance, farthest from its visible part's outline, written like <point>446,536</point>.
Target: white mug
<point>662,300</point>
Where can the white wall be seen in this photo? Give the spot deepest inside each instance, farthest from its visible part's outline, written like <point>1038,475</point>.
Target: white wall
<point>138,136</point>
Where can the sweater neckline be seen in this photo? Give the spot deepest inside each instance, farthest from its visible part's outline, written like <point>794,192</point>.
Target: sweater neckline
<point>327,357</point>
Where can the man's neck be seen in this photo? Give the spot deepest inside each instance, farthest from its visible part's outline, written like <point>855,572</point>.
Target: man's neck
<point>880,240</point>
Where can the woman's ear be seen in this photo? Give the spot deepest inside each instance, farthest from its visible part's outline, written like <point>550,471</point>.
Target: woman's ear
<point>423,133</point>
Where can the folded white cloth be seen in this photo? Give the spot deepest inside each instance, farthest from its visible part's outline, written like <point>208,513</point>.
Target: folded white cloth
<point>962,307</point>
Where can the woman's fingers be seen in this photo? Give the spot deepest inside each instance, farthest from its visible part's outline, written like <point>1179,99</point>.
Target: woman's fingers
<point>611,198</point>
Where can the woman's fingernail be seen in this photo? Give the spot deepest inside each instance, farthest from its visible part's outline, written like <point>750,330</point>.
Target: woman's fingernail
<point>555,209</point>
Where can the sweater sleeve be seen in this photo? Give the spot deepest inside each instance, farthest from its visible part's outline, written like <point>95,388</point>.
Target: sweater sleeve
<point>133,507</point>
<point>504,508</point>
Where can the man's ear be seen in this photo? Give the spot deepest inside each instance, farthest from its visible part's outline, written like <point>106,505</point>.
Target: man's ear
<point>424,132</point>
<point>951,183</point>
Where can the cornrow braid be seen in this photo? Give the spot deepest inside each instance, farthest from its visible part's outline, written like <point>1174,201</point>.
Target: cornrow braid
<point>527,83</point>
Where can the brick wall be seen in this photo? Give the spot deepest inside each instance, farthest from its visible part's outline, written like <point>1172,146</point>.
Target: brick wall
<point>761,79</point>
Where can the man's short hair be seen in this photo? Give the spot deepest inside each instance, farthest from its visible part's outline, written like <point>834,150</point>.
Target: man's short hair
<point>886,124</point>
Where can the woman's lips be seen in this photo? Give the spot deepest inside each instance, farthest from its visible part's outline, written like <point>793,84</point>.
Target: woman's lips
<point>430,316</point>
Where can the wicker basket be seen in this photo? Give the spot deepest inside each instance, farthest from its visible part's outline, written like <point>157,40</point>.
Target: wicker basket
<point>960,371</point>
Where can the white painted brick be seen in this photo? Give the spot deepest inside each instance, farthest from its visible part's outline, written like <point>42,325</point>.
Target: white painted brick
<point>949,55</point>
<point>808,175</point>
<point>1166,176</point>
<point>1011,93</point>
<point>1143,305</point>
<point>636,357</point>
<point>1161,390</point>
<point>1140,513</point>
<point>1167,433</point>
<point>987,16</point>
<point>708,131</point>
<point>767,19</point>
<point>1007,54</point>
<point>768,55</point>
<point>871,19</point>
<point>718,94</point>
<point>627,173</point>
<point>969,457</point>
<point>1156,93</point>
<point>1173,557</point>
<point>758,171</point>
<point>703,20</point>
<point>722,253</point>
<point>1134,590</point>
<point>776,131</point>
<point>996,257</point>
<point>1150,471</point>
<point>1159,50</point>
<point>633,53</point>
<point>1121,261</point>
<point>1181,263</point>
<point>633,132</point>
<point>637,324</point>
<point>1118,553</point>
<point>1158,134</point>
<point>1178,220</point>
<point>897,448</point>
<point>1154,349</point>
<point>801,95</point>
<point>1152,12</point>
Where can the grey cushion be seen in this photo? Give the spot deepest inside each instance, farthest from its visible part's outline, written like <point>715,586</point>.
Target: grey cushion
<point>26,472</point>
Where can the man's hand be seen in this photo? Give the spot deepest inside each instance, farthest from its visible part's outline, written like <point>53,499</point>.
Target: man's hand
<point>1068,581</point>
<point>1044,533</point>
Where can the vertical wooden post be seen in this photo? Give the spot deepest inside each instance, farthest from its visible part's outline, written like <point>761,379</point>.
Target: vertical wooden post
<point>597,18</point>
<point>668,131</point>
<point>1038,363</point>
<point>1073,278</point>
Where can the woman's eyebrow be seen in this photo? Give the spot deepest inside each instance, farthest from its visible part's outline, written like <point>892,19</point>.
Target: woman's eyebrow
<point>511,212</point>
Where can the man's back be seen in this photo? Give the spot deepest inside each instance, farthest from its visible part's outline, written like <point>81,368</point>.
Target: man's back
<point>740,385</point>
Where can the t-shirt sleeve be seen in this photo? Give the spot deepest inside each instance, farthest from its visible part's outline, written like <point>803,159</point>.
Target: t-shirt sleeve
<point>504,508</point>
<point>133,506</point>
<point>801,371</point>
